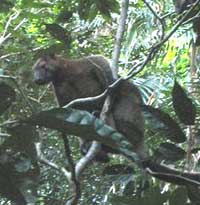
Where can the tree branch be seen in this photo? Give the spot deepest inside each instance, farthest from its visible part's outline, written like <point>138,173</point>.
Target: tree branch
<point>140,66</point>
<point>161,20</point>
<point>156,47</point>
<point>14,79</point>
<point>74,183</point>
<point>10,19</point>
<point>96,146</point>
<point>85,160</point>
<point>5,36</point>
<point>119,36</point>
<point>45,161</point>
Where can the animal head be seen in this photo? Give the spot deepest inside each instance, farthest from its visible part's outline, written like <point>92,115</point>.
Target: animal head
<point>45,69</point>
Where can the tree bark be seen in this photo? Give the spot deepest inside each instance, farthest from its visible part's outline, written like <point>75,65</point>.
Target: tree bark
<point>119,36</point>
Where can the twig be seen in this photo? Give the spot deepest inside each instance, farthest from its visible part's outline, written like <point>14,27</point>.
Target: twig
<point>5,202</point>
<point>14,79</point>
<point>8,123</point>
<point>152,10</point>
<point>45,161</point>
<point>161,20</point>
<point>71,178</point>
<point>172,176</point>
<point>43,93</point>
<point>167,15</point>
<point>21,53</point>
<point>140,65</point>
<point>9,54</point>
<point>156,47</point>
<point>4,135</point>
<point>11,18</point>
<point>196,17</point>
<point>74,183</point>
<point>94,99</point>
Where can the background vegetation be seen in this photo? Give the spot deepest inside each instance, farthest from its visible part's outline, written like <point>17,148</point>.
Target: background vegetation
<point>30,29</point>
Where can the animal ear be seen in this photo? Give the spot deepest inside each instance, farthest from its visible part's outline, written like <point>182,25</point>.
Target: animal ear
<point>48,55</point>
<point>52,55</point>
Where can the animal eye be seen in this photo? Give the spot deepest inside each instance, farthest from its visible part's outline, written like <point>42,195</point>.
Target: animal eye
<point>43,66</point>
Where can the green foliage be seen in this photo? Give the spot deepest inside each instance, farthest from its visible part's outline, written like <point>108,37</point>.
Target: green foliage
<point>183,106</point>
<point>18,161</point>
<point>78,123</point>
<point>7,96</point>
<point>23,159</point>
<point>169,152</point>
<point>29,29</point>
<point>152,196</point>
<point>117,169</point>
<point>22,139</point>
<point>171,127</point>
<point>88,10</point>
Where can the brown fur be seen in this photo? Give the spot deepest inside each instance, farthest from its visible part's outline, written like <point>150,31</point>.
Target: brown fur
<point>89,77</point>
<point>74,79</point>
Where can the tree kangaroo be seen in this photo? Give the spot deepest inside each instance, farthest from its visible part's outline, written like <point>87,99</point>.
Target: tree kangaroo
<point>88,77</point>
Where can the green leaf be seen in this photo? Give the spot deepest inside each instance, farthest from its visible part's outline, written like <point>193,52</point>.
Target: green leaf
<point>107,7</point>
<point>79,123</point>
<point>7,96</point>
<point>64,15</point>
<point>129,188</point>
<point>6,5</point>
<point>178,197</point>
<point>171,175</point>
<point>193,194</point>
<point>87,9</point>
<point>183,106</point>
<point>118,169</point>
<point>169,152</point>
<point>23,166</point>
<point>171,127</point>
<point>59,33</point>
<point>22,139</point>
<point>8,186</point>
<point>32,4</point>
<point>17,176</point>
<point>151,197</point>
<point>1,71</point>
